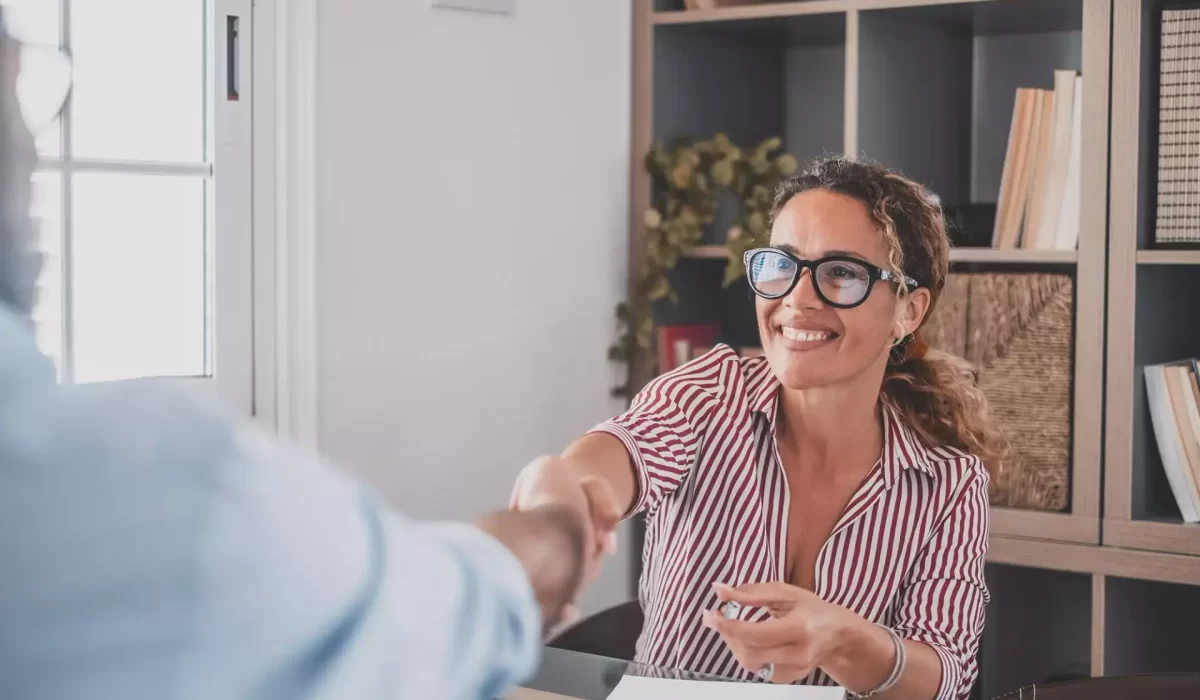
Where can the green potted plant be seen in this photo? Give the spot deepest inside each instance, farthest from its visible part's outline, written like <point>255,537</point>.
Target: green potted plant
<point>685,181</point>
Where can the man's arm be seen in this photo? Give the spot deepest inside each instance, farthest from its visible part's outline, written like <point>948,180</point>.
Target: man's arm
<point>352,599</point>
<point>549,544</point>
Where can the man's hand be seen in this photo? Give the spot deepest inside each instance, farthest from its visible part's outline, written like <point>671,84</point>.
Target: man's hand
<point>550,481</point>
<point>550,544</point>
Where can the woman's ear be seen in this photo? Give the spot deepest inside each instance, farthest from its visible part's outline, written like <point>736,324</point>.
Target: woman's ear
<point>911,309</point>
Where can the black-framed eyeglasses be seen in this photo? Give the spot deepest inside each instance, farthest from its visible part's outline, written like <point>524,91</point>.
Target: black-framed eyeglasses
<point>842,281</point>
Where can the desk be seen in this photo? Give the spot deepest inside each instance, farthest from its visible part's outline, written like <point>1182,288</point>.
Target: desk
<point>569,675</point>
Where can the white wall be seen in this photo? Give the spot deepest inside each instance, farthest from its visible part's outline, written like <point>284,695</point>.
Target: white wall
<point>473,207</point>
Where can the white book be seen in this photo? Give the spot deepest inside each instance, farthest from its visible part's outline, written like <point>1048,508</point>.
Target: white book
<point>647,688</point>
<point>1058,153</point>
<point>1067,231</point>
<point>1170,444</point>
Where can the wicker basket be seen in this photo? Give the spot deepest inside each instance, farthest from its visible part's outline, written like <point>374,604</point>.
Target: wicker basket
<point>1016,329</point>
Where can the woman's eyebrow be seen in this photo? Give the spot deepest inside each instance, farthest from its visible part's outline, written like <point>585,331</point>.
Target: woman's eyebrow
<point>851,253</point>
<point>795,251</point>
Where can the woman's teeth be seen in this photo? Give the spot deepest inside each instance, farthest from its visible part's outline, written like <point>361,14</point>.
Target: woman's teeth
<point>809,336</point>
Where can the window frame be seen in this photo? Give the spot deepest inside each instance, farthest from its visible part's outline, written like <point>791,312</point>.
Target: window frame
<point>228,173</point>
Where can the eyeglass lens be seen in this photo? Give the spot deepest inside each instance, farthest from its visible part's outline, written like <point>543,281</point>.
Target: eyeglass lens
<point>839,282</point>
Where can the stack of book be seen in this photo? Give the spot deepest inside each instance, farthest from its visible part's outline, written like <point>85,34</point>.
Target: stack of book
<point>680,344</point>
<point>1174,397</point>
<point>1038,206</point>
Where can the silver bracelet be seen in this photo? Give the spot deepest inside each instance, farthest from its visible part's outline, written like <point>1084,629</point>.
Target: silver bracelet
<point>897,670</point>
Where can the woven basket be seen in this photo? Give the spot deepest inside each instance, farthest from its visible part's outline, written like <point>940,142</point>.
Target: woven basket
<point>1016,329</point>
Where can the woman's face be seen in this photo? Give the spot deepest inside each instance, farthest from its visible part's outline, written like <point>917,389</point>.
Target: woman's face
<point>810,343</point>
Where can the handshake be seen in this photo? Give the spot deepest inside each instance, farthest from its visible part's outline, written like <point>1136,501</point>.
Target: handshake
<point>560,525</point>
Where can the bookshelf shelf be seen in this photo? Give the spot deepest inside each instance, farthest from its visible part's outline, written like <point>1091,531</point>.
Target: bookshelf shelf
<point>1011,16</point>
<point>1034,524</point>
<point>1175,536</point>
<point>971,255</point>
<point>709,252</point>
<point>1016,256</point>
<point>1168,257</point>
<point>1104,560</point>
<point>766,11</point>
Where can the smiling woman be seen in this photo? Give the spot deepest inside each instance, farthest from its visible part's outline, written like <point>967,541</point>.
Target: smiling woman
<point>834,489</point>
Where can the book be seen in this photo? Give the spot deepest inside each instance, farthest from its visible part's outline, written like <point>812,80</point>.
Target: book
<point>677,344</point>
<point>1013,185</point>
<point>1039,168</point>
<point>1067,234</point>
<point>1179,389</point>
<point>1058,156</point>
<point>1173,434</point>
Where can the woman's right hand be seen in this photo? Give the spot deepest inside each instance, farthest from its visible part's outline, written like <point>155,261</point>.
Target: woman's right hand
<point>551,481</point>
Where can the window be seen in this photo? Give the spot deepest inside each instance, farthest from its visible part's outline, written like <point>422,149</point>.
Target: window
<point>142,194</point>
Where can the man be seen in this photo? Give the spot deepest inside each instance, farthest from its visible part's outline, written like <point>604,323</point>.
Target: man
<point>152,548</point>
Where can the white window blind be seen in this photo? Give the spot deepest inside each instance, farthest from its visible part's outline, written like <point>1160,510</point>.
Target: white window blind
<point>142,194</point>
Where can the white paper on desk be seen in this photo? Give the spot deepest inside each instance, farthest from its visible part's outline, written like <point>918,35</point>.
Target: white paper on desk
<point>646,688</point>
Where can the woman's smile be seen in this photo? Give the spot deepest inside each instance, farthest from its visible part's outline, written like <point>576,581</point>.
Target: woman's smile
<point>803,338</point>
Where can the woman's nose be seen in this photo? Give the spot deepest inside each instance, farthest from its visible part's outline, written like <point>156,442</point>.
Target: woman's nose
<point>804,294</point>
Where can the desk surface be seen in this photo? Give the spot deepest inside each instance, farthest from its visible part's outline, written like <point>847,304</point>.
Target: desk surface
<point>569,675</point>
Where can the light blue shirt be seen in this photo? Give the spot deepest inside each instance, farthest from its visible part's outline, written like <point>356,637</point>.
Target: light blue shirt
<point>152,548</point>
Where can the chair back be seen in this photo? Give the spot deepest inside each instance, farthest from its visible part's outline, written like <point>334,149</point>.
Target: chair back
<point>612,633</point>
<point>1162,686</point>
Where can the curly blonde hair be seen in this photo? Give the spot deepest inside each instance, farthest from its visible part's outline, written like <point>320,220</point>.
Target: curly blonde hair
<point>936,393</point>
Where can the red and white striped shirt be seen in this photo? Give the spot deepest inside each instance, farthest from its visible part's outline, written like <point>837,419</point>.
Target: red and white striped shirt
<point>907,552</point>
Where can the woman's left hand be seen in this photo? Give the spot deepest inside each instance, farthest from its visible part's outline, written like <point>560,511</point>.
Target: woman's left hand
<point>802,634</point>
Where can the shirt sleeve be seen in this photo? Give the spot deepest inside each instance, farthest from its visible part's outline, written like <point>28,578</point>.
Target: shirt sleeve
<point>663,428</point>
<point>309,585</point>
<point>945,598</point>
<point>165,551</point>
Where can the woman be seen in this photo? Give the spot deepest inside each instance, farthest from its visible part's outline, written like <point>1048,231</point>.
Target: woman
<point>835,489</point>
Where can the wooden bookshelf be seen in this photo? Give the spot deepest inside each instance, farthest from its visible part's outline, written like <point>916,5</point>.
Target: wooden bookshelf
<point>926,86</point>
<point>822,74</point>
<point>1150,288</point>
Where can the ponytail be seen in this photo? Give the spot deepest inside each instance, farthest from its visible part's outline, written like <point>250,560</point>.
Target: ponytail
<point>937,396</point>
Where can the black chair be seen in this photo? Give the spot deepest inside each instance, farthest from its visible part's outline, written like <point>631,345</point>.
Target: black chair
<point>612,633</point>
<point>1162,686</point>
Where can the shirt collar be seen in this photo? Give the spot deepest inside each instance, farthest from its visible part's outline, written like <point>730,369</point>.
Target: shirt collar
<point>902,448</point>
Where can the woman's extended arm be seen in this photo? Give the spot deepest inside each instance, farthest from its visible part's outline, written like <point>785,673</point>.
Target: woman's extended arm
<point>641,456</point>
<point>557,479</point>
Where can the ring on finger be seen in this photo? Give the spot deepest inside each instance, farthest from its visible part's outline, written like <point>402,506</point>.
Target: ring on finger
<point>766,672</point>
